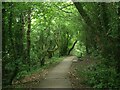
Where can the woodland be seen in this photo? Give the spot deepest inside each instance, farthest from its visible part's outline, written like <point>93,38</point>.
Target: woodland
<point>33,33</point>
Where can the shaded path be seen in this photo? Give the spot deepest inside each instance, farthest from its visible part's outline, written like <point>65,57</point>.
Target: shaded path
<point>58,76</point>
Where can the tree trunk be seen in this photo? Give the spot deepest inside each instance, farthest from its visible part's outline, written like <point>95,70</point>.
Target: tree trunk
<point>72,47</point>
<point>105,17</point>
<point>28,36</point>
<point>4,40</point>
<point>14,73</point>
<point>13,51</point>
<point>42,61</point>
<point>50,54</point>
<point>3,32</point>
<point>118,43</point>
<point>21,38</point>
<point>84,15</point>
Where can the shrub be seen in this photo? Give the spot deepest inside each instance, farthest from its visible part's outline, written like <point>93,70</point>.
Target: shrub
<point>100,76</point>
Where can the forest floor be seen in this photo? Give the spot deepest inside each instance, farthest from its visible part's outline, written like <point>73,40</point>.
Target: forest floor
<point>63,75</point>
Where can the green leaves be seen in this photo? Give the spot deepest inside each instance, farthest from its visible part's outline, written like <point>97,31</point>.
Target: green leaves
<point>53,28</point>
<point>102,77</point>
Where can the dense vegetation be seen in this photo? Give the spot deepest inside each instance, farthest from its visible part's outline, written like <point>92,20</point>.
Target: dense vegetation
<point>35,32</point>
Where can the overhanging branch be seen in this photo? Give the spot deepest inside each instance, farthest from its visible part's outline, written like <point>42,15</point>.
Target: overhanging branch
<point>72,47</point>
<point>84,15</point>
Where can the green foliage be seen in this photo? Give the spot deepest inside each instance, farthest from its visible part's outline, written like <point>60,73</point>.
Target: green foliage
<point>79,49</point>
<point>49,63</point>
<point>100,76</point>
<point>101,37</point>
<point>21,74</point>
<point>34,32</point>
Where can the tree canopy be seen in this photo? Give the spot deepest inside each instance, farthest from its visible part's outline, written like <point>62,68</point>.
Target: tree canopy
<point>36,31</point>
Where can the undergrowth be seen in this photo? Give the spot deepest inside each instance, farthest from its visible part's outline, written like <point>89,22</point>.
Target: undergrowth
<point>49,63</point>
<point>99,75</point>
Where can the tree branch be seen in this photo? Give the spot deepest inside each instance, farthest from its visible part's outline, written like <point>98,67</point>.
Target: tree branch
<point>61,8</point>
<point>72,47</point>
<point>84,15</point>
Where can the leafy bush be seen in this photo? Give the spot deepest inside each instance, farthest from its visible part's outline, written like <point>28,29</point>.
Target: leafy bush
<point>100,76</point>
<point>21,74</point>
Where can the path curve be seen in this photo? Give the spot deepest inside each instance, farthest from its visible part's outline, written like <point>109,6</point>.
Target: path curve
<point>58,76</point>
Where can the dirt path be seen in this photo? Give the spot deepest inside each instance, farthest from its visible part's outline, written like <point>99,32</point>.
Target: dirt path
<point>58,76</point>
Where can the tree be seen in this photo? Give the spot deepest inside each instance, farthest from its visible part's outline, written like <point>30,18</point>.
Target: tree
<point>28,35</point>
